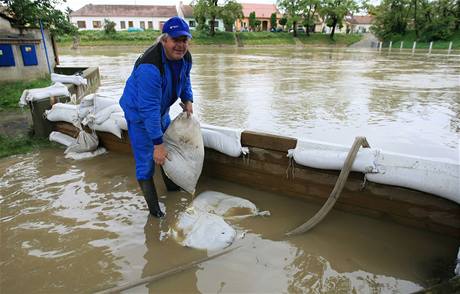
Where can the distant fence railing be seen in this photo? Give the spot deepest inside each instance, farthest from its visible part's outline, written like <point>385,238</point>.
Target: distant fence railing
<point>379,46</point>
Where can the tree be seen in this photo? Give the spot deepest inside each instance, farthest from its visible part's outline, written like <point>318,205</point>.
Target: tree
<point>309,14</point>
<point>283,22</point>
<point>273,20</point>
<point>230,12</point>
<point>109,26</point>
<point>252,20</point>
<point>206,9</point>
<point>293,10</point>
<point>334,12</point>
<point>29,13</point>
<point>391,18</point>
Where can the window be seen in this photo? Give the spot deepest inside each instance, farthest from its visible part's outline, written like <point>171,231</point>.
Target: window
<point>191,23</point>
<point>122,24</point>
<point>216,23</point>
<point>161,24</point>
<point>142,24</point>
<point>81,24</point>
<point>130,24</point>
<point>97,24</point>
<point>150,24</point>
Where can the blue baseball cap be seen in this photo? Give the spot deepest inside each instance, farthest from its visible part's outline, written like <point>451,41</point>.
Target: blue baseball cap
<point>176,27</point>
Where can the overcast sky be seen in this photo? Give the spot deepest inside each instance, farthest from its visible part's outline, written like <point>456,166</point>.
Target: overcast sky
<point>77,4</point>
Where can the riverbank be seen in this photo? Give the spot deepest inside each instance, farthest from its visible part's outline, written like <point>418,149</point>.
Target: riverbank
<point>409,39</point>
<point>123,38</point>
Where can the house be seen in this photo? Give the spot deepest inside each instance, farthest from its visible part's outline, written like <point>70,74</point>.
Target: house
<point>360,23</point>
<point>91,17</point>
<point>263,13</point>
<point>25,53</point>
<point>186,12</point>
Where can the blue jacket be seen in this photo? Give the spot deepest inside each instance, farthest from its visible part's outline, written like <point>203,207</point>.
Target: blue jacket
<point>149,92</point>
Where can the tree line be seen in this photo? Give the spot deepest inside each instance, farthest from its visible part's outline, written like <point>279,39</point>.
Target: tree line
<point>431,20</point>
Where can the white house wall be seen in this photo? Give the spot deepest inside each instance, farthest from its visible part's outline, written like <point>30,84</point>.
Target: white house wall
<point>136,22</point>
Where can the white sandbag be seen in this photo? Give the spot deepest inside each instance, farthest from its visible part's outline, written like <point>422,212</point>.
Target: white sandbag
<point>202,225</point>
<point>55,90</point>
<point>438,177</point>
<point>68,79</point>
<point>332,156</point>
<point>203,230</point>
<point>225,140</point>
<point>83,111</point>
<point>224,205</point>
<point>85,155</point>
<point>88,100</point>
<point>184,143</point>
<point>61,138</point>
<point>119,118</point>
<point>85,142</point>
<point>62,112</point>
<point>109,126</point>
<point>103,102</point>
<point>105,113</point>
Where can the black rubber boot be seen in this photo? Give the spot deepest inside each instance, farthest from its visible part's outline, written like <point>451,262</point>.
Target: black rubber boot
<point>150,195</point>
<point>170,185</point>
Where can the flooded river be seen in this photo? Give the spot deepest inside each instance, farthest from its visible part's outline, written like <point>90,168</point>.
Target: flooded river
<point>82,226</point>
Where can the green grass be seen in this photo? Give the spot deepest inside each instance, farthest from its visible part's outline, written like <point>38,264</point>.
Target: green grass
<point>20,145</point>
<point>266,38</point>
<point>100,38</point>
<point>220,38</point>
<point>12,91</point>
<point>409,38</point>
<point>318,39</point>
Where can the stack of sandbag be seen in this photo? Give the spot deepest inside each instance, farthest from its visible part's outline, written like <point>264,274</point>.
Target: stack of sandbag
<point>202,225</point>
<point>99,117</point>
<point>29,95</point>
<point>68,79</point>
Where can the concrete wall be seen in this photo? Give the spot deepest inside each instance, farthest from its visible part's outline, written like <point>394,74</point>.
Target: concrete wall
<point>19,71</point>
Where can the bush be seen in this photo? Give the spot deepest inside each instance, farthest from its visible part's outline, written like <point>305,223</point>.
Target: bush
<point>109,26</point>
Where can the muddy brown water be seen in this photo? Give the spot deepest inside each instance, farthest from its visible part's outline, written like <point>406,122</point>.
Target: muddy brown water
<point>81,226</point>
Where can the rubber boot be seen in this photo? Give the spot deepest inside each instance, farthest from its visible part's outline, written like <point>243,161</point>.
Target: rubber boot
<point>170,185</point>
<point>150,195</point>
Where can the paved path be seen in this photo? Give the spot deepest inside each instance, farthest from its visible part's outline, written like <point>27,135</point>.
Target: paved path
<point>368,41</point>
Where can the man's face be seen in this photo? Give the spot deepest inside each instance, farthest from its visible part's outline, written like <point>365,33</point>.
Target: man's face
<point>175,48</point>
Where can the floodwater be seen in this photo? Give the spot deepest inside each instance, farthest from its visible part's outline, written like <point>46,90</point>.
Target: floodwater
<point>82,226</point>
<point>401,102</point>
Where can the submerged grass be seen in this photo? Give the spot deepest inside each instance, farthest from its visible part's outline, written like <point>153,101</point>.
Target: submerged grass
<point>21,144</point>
<point>12,91</point>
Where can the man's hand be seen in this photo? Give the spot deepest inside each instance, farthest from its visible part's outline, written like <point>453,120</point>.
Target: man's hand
<point>160,154</point>
<point>187,107</point>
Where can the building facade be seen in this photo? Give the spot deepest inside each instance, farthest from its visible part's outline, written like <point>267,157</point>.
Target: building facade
<point>25,54</point>
<point>125,17</point>
<point>263,13</point>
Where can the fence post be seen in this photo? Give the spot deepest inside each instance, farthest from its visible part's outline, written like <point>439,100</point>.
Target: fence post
<point>431,46</point>
<point>380,46</point>
<point>400,47</point>
<point>391,44</point>
<point>413,47</point>
<point>450,48</point>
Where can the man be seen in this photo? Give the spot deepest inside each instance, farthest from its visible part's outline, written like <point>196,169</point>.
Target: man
<point>160,76</point>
